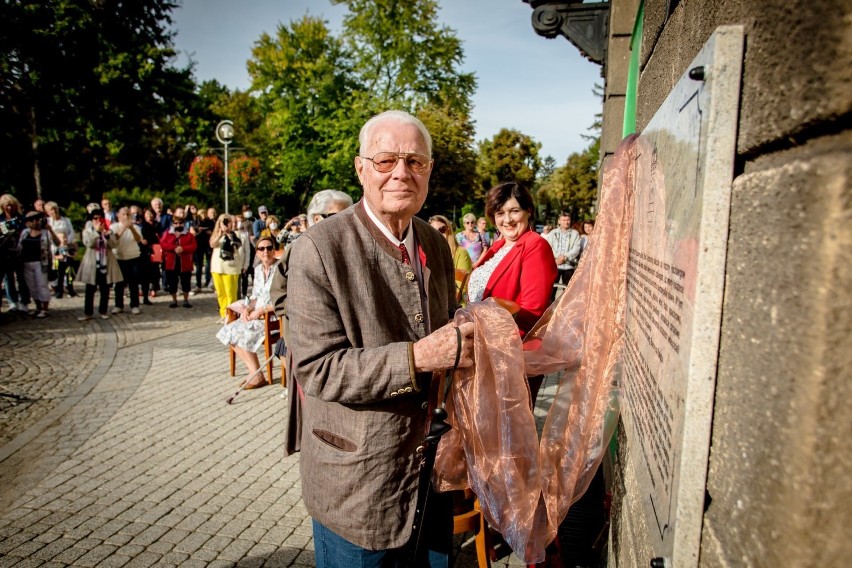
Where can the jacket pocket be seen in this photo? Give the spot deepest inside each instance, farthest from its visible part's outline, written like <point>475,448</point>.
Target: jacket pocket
<point>335,441</point>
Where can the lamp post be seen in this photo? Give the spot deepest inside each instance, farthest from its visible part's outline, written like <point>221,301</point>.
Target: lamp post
<point>224,134</point>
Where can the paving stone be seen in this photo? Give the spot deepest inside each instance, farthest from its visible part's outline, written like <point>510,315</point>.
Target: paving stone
<point>144,560</point>
<point>236,550</point>
<point>192,543</point>
<point>150,535</point>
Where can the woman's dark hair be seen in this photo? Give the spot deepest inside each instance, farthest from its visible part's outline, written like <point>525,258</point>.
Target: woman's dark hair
<point>498,195</point>
<point>94,213</point>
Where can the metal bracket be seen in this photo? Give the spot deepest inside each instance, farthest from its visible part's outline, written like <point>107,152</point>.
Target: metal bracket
<point>584,25</point>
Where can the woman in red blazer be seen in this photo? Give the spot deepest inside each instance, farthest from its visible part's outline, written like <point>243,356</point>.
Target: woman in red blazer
<point>519,266</point>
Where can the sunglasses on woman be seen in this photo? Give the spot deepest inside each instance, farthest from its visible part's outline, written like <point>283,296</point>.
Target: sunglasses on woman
<point>262,249</point>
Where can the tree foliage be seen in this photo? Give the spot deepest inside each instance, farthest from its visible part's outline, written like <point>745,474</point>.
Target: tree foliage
<point>89,98</point>
<point>572,187</point>
<point>509,156</point>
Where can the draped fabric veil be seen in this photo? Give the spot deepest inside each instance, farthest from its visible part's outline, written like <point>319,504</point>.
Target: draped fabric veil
<point>526,486</point>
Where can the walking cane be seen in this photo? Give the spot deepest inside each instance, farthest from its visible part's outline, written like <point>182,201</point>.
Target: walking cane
<point>230,399</point>
<point>437,427</point>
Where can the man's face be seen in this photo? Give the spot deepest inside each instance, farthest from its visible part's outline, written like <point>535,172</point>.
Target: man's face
<point>211,214</point>
<point>105,204</point>
<point>564,222</point>
<point>481,224</point>
<point>157,206</point>
<point>398,193</point>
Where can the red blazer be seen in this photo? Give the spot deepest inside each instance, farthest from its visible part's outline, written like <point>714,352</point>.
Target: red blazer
<point>169,242</point>
<point>525,276</point>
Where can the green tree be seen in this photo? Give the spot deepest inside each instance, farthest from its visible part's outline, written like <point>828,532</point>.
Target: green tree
<point>509,156</point>
<point>302,84</point>
<point>403,58</point>
<point>89,97</point>
<point>453,179</point>
<point>572,187</point>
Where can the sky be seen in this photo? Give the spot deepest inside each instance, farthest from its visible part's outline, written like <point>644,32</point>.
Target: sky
<point>541,87</point>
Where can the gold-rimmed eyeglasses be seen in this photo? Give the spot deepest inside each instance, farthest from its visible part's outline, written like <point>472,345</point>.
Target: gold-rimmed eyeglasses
<point>415,163</point>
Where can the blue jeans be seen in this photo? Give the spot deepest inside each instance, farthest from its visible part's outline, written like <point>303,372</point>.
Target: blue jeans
<point>334,551</point>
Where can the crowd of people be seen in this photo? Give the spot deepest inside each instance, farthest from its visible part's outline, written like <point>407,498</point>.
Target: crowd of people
<point>130,252</point>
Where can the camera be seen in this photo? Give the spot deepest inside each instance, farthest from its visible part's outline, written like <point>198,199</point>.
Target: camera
<point>10,225</point>
<point>296,223</point>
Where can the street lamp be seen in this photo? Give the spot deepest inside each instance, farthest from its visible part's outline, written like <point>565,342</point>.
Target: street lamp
<point>224,134</point>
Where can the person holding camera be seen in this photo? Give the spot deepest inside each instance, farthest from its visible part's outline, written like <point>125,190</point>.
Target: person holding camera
<point>227,262</point>
<point>178,246</point>
<point>98,270</point>
<point>127,253</point>
<point>11,225</point>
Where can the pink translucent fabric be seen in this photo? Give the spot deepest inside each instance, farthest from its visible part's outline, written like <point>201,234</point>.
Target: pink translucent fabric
<point>526,486</point>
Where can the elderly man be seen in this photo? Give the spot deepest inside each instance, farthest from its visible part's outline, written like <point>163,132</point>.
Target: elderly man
<point>369,295</point>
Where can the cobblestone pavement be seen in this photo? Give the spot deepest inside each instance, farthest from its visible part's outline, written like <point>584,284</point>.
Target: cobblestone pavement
<point>117,447</point>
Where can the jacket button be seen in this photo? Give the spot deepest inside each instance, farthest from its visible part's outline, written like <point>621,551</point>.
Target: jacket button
<point>418,318</point>
<point>409,276</point>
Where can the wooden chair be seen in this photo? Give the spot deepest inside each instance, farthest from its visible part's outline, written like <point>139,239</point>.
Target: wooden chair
<point>462,277</point>
<point>272,333</point>
<point>473,521</point>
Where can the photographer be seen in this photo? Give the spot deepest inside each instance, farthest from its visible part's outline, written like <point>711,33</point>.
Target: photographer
<point>127,253</point>
<point>227,262</point>
<point>11,225</point>
<point>293,230</point>
<point>98,270</point>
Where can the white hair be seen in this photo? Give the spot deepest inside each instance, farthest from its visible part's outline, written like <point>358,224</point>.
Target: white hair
<point>322,200</point>
<point>398,116</point>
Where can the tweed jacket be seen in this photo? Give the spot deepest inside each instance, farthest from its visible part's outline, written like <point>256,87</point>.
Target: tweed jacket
<point>355,311</point>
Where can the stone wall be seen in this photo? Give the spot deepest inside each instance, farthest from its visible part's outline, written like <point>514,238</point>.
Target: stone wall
<point>778,483</point>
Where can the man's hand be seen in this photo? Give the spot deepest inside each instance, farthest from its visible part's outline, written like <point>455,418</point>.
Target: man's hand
<point>560,259</point>
<point>437,351</point>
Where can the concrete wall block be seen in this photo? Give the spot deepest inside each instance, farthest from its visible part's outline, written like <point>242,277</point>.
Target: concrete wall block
<point>797,69</point>
<point>617,65</point>
<point>781,444</point>
<point>613,122</point>
<point>622,15</point>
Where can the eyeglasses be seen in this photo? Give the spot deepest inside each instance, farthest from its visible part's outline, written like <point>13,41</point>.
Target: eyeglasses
<point>442,229</point>
<point>326,215</point>
<point>262,249</point>
<point>469,222</point>
<point>384,162</point>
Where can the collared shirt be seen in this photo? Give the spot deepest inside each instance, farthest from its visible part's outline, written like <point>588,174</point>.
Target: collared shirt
<point>408,240</point>
<point>567,244</point>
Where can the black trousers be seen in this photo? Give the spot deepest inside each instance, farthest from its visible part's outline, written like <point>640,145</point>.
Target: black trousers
<point>130,272</point>
<point>103,288</point>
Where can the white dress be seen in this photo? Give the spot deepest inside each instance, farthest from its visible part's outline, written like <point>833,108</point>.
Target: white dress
<point>249,334</point>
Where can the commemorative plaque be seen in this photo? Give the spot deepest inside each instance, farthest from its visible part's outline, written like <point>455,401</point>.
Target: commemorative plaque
<point>676,276</point>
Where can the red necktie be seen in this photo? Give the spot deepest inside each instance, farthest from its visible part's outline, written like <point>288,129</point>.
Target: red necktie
<point>405,258</point>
